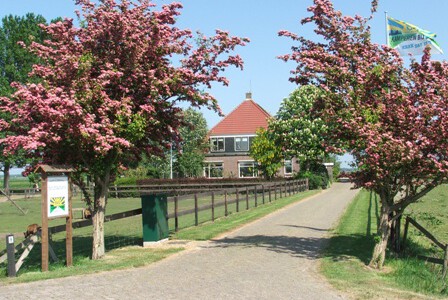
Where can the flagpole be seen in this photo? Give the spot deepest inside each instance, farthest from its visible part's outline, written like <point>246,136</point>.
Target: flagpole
<point>387,34</point>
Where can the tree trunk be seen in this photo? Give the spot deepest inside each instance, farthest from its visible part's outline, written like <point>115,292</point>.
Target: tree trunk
<point>6,177</point>
<point>99,212</point>
<point>379,252</point>
<point>98,248</point>
<point>395,232</point>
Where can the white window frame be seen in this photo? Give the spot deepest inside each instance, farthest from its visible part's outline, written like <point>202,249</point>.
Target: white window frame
<point>217,138</point>
<point>254,174</point>
<point>240,138</point>
<point>289,161</point>
<point>207,166</point>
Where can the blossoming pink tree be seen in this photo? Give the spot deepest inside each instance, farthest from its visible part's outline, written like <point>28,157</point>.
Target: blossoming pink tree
<point>109,90</point>
<point>393,119</point>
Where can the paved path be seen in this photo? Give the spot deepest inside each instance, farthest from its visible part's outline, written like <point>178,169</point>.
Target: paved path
<point>273,258</point>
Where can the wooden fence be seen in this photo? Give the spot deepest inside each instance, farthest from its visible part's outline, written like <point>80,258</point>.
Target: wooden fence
<point>171,189</point>
<point>26,192</point>
<point>240,196</point>
<point>29,242</point>
<point>444,247</point>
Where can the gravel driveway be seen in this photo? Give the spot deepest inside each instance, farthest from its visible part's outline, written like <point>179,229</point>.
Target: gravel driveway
<point>273,258</point>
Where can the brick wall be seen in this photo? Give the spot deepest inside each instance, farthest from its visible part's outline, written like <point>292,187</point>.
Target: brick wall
<point>230,165</point>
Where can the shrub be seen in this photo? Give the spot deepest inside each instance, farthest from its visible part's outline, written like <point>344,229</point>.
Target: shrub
<point>315,181</point>
<point>317,175</point>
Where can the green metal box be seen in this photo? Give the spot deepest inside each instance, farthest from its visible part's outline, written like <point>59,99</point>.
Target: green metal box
<point>154,217</point>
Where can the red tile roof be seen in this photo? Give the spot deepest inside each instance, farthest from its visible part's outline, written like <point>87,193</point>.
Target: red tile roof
<point>246,118</point>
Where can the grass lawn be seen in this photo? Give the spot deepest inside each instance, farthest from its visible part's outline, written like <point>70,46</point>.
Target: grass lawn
<point>13,221</point>
<point>209,230</point>
<point>405,277</point>
<point>17,182</point>
<point>121,236</point>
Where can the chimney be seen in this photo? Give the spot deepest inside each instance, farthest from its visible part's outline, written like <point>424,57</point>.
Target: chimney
<point>249,96</point>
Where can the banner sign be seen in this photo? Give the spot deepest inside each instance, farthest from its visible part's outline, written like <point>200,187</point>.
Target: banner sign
<point>410,39</point>
<point>57,196</point>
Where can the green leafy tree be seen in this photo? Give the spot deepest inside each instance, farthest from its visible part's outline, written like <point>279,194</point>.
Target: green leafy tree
<point>15,64</point>
<point>193,134</point>
<point>336,165</point>
<point>188,153</point>
<point>297,128</point>
<point>157,166</point>
<point>267,153</point>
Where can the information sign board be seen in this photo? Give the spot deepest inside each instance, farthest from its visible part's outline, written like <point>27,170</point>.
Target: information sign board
<point>57,196</point>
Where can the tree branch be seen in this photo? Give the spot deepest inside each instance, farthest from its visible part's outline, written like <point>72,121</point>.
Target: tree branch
<point>411,199</point>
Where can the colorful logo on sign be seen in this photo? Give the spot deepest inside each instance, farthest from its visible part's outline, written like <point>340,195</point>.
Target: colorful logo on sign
<point>57,202</point>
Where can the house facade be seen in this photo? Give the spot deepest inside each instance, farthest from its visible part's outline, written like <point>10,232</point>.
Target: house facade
<point>230,142</point>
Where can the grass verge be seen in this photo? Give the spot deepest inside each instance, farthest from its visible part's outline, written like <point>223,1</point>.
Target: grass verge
<point>348,253</point>
<point>211,230</point>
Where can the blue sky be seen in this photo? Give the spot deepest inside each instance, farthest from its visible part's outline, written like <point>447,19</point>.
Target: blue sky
<point>260,20</point>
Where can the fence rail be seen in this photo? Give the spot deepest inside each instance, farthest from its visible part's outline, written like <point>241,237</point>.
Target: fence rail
<point>229,196</point>
<point>170,188</point>
<point>444,247</point>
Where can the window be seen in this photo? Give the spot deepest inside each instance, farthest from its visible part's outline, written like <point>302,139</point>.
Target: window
<point>213,169</point>
<point>242,144</point>
<point>247,169</point>
<point>217,144</point>
<point>288,167</point>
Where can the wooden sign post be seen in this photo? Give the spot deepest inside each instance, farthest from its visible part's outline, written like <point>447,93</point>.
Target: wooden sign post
<point>56,203</point>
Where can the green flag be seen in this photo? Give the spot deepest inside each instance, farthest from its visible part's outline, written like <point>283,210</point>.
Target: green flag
<point>410,39</point>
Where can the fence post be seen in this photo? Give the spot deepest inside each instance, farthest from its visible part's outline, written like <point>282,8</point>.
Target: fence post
<point>262,191</point>
<point>405,234</point>
<point>176,211</point>
<point>275,191</point>
<point>44,230</point>
<point>11,257</point>
<point>256,196</point>
<point>247,198</point>
<point>445,263</point>
<point>196,219</point>
<point>213,206</point>
<point>270,190</point>
<point>226,211</point>
<point>69,229</point>
<point>237,201</point>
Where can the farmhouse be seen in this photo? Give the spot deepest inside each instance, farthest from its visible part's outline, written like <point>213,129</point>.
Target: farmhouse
<point>231,139</point>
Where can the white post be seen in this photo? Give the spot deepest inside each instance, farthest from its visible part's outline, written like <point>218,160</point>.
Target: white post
<point>387,33</point>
